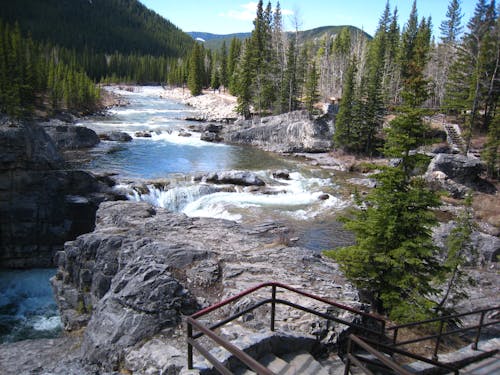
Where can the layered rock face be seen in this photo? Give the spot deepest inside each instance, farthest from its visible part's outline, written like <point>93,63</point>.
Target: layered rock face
<point>142,268</point>
<point>286,133</point>
<point>42,205</point>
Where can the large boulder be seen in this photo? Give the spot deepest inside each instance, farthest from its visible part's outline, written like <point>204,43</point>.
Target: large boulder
<point>457,174</point>
<point>144,298</point>
<point>42,203</point>
<point>70,136</point>
<point>286,133</point>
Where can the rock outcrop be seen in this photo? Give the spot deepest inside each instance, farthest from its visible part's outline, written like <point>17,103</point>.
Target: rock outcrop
<point>142,268</point>
<point>242,178</point>
<point>286,133</point>
<point>457,174</point>
<point>70,136</point>
<point>42,204</point>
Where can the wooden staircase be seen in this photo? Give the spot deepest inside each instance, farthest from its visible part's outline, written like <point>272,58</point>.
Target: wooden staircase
<point>454,137</point>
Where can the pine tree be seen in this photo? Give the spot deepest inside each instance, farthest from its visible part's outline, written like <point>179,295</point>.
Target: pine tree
<point>232,62</point>
<point>224,78</point>
<point>311,88</point>
<point>394,259</point>
<point>196,70</point>
<point>473,81</point>
<point>345,122</point>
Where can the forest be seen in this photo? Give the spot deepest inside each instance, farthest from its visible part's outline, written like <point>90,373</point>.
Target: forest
<point>53,53</point>
<point>274,72</point>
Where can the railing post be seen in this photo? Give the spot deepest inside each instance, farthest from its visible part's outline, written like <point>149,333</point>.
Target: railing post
<point>438,340</point>
<point>347,367</point>
<point>481,321</point>
<point>190,347</point>
<point>395,336</point>
<point>273,306</point>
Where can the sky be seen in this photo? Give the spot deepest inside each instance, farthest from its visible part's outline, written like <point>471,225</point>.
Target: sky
<point>233,16</point>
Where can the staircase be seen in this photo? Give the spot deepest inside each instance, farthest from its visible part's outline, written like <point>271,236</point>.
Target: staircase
<point>454,138</point>
<point>291,364</point>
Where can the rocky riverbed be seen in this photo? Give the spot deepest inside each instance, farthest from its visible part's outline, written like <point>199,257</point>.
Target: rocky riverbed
<point>124,286</point>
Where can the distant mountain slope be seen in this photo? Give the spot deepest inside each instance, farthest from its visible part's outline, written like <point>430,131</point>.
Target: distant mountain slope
<point>214,41</point>
<point>124,26</point>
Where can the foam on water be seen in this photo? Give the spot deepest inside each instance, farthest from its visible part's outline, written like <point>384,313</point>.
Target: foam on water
<point>298,197</point>
<point>27,306</point>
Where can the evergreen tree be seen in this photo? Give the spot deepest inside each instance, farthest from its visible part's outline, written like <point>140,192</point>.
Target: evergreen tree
<point>394,259</point>
<point>224,77</point>
<point>196,70</point>
<point>232,62</point>
<point>311,88</point>
<point>345,122</point>
<point>460,253</point>
<point>473,80</point>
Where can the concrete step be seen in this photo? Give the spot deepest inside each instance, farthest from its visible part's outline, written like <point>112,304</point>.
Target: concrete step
<point>275,364</point>
<point>303,363</point>
<point>487,366</point>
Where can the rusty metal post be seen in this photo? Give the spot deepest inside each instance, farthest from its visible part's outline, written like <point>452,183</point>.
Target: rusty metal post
<point>478,335</point>
<point>190,347</point>
<point>273,307</point>
<point>438,341</point>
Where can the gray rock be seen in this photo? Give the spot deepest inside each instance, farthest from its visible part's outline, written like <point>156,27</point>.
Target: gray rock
<point>286,133</point>
<point>282,174</point>
<point>143,299</point>
<point>115,136</point>
<point>42,203</point>
<point>213,128</point>
<point>70,137</point>
<point>486,246</point>
<point>242,178</point>
<point>457,174</point>
<point>210,137</point>
<point>128,278</point>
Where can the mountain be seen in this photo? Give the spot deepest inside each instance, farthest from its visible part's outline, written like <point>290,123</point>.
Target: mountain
<point>124,26</point>
<point>214,41</point>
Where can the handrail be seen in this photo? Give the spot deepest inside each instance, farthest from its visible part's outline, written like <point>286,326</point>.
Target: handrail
<point>284,286</point>
<point>254,365</point>
<point>441,320</point>
<point>240,354</point>
<point>385,361</point>
<point>208,331</point>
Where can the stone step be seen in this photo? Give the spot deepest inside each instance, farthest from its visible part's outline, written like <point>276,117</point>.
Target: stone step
<point>487,366</point>
<point>303,363</point>
<point>275,364</point>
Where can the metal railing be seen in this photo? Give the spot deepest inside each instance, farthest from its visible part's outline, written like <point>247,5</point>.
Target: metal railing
<point>354,341</point>
<point>273,301</point>
<point>380,332</point>
<point>441,332</point>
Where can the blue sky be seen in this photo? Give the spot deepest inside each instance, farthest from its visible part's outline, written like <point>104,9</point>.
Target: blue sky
<point>232,16</point>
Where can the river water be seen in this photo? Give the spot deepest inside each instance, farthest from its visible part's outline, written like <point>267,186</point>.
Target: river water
<point>164,165</point>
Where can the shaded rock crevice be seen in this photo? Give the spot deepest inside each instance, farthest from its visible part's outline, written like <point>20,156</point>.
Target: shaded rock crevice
<point>42,203</point>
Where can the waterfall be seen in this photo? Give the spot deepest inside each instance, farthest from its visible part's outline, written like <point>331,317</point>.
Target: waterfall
<point>174,199</point>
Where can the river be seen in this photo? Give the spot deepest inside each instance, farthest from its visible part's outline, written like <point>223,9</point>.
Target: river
<point>164,166</point>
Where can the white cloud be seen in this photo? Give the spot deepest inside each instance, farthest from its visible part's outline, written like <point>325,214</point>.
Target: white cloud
<point>246,12</point>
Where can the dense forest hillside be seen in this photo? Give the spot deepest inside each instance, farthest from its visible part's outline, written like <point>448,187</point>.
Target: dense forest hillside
<point>124,26</point>
<point>214,41</point>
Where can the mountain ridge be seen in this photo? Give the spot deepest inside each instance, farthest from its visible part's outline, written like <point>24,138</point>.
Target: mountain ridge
<point>214,41</point>
<point>104,26</point>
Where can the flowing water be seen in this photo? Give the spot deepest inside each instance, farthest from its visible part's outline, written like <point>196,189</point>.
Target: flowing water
<point>27,309</point>
<point>27,306</point>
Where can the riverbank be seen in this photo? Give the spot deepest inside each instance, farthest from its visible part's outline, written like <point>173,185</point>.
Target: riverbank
<point>212,105</point>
